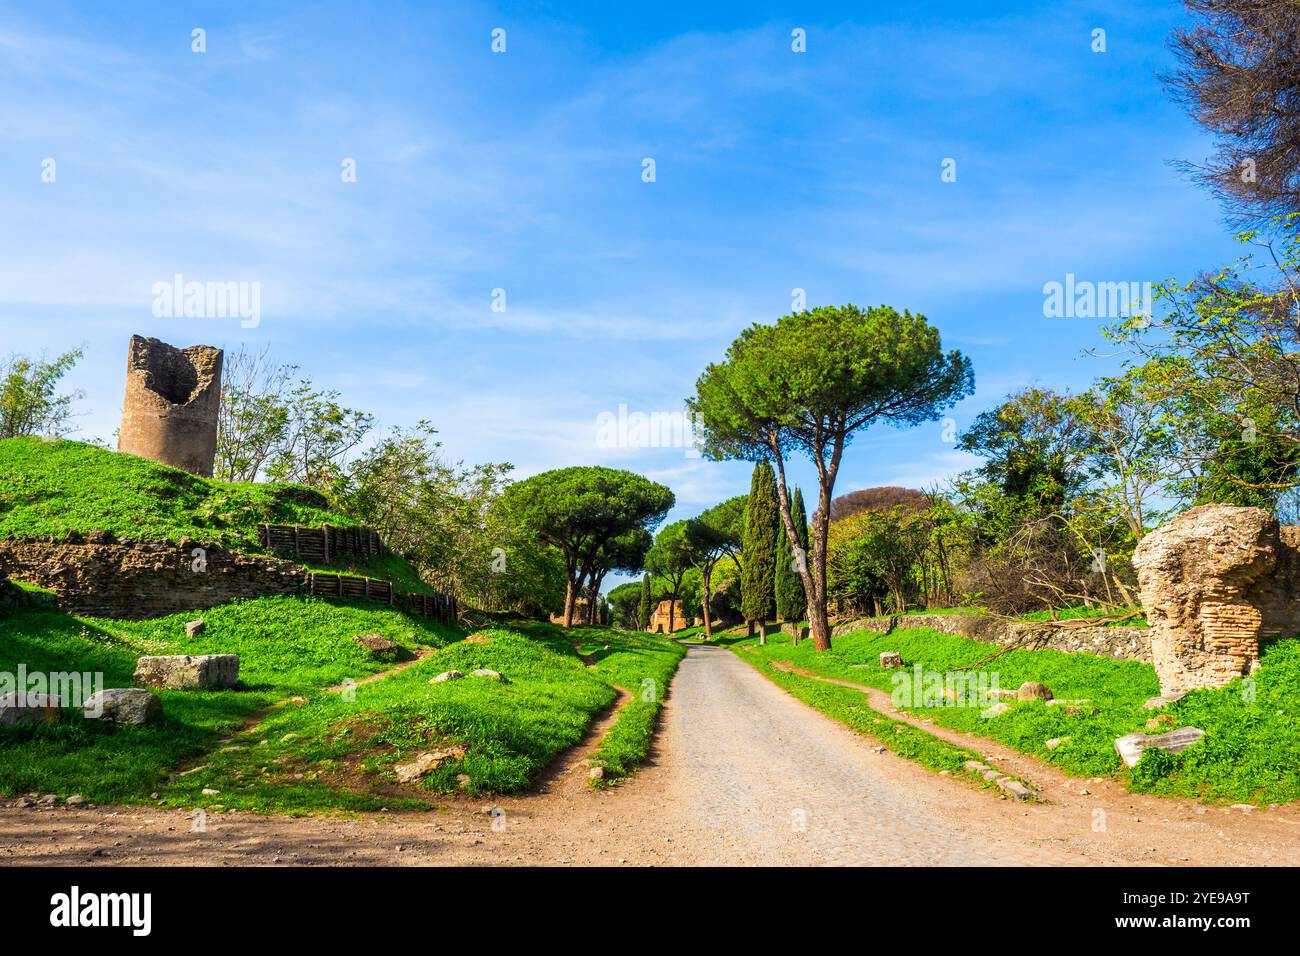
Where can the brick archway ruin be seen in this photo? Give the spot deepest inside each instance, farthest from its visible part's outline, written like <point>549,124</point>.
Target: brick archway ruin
<point>173,396</point>
<point>1218,583</point>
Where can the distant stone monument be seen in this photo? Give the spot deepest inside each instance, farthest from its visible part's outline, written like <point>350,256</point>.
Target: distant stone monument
<point>659,617</point>
<point>172,399</point>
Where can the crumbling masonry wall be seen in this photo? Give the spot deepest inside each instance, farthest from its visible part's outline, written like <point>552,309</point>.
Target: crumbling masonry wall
<point>98,575</point>
<point>1218,583</point>
<point>172,399</point>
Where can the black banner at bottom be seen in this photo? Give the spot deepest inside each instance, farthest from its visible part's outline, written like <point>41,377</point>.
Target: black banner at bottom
<point>333,906</point>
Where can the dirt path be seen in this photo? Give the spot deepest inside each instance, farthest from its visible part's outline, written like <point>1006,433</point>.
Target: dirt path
<point>742,774</point>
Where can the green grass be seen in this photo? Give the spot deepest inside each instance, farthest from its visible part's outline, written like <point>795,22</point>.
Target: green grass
<point>287,647</point>
<point>1251,752</point>
<point>331,750</point>
<point>643,664</point>
<point>53,487</point>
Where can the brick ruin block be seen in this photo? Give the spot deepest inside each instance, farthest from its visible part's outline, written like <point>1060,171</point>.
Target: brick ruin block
<point>1217,582</point>
<point>659,617</point>
<point>172,399</point>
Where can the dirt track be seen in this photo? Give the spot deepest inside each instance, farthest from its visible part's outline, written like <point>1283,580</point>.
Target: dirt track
<point>742,774</point>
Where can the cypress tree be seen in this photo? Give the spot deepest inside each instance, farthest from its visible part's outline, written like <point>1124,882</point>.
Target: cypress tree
<point>791,602</point>
<point>643,612</point>
<point>758,551</point>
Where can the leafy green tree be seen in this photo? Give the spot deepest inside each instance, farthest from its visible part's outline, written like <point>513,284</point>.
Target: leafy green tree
<point>790,602</point>
<point>709,538</point>
<point>254,415</point>
<point>443,518</point>
<point>579,511</point>
<point>29,400</point>
<point>625,553</point>
<point>643,613</point>
<point>1227,355</point>
<point>1035,449</point>
<point>669,559</point>
<point>809,384</point>
<point>625,604</point>
<point>317,437</point>
<point>762,522</point>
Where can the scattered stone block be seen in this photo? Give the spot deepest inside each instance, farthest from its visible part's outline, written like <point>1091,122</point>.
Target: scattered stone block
<point>1055,742</point>
<point>996,710</point>
<point>891,659</point>
<point>128,706</point>
<point>974,766</point>
<point>21,709</point>
<point>446,676</point>
<point>193,629</point>
<point>596,773</point>
<point>379,647</point>
<point>488,673</point>
<point>188,671</point>
<point>1130,747</point>
<point>1002,693</point>
<point>1160,721</point>
<point>1032,690</point>
<point>425,763</point>
<point>1015,788</point>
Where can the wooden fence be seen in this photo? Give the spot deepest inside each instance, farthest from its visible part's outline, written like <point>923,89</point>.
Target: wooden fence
<point>440,606</point>
<point>321,544</point>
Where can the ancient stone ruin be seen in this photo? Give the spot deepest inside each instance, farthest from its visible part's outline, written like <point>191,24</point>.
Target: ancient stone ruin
<point>173,395</point>
<point>1218,582</point>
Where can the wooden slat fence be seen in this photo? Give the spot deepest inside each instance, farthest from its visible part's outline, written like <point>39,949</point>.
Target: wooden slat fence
<point>321,544</point>
<point>439,606</point>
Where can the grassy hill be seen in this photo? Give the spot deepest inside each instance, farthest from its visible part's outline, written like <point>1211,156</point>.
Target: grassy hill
<point>288,738</point>
<point>52,487</point>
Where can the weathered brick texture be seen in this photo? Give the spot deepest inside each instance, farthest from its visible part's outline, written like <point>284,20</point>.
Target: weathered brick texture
<point>101,576</point>
<point>1218,582</point>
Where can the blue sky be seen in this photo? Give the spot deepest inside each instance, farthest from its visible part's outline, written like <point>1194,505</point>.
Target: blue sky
<point>522,171</point>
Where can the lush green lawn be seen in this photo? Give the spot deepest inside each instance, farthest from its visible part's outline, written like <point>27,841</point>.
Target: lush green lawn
<point>52,487</point>
<point>1251,752</point>
<point>330,749</point>
<point>287,647</point>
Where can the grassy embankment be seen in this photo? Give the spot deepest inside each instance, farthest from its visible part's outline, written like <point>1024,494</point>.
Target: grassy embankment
<point>53,487</point>
<point>326,749</point>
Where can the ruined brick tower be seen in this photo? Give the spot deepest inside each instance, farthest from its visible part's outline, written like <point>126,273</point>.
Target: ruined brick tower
<point>172,399</point>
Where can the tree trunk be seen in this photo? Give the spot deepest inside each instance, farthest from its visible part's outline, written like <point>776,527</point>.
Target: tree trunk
<point>568,603</point>
<point>706,599</point>
<point>812,574</point>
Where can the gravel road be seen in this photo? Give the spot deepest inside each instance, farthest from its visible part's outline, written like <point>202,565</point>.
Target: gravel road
<point>742,773</point>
